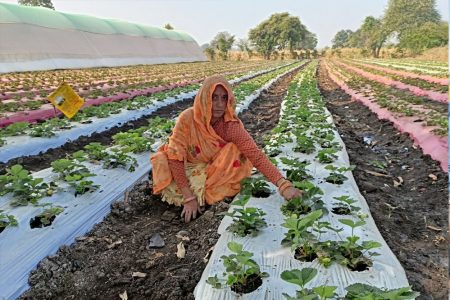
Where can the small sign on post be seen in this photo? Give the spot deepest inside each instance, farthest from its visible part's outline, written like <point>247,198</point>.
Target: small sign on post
<point>66,100</point>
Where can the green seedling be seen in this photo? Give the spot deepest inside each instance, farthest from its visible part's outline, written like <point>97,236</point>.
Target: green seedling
<point>48,215</point>
<point>361,291</point>
<point>345,206</point>
<point>326,156</point>
<point>336,175</point>
<point>257,187</point>
<point>301,278</point>
<point>308,201</point>
<point>351,253</point>
<point>247,221</point>
<point>304,144</point>
<point>24,187</point>
<point>299,236</point>
<point>240,268</point>
<point>74,173</point>
<point>297,169</point>
<point>15,129</point>
<point>6,220</point>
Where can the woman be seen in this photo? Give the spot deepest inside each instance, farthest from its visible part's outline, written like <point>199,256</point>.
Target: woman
<point>209,153</point>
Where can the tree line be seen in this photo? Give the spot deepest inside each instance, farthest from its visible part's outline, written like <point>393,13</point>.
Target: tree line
<point>281,32</point>
<point>414,25</point>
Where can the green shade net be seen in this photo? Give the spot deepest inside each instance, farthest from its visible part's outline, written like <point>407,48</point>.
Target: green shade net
<point>40,16</point>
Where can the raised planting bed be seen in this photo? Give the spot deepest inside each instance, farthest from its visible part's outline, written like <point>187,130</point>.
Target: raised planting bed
<point>267,260</point>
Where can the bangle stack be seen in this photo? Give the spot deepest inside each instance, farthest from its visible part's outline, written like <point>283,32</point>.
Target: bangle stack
<point>189,199</point>
<point>284,184</point>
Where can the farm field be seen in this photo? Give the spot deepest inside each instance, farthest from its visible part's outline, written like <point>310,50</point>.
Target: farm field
<point>389,114</point>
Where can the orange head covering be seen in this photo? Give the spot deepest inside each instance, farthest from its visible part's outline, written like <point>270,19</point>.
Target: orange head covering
<point>193,138</point>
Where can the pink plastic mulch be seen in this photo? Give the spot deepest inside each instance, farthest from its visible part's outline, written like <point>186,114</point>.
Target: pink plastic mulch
<point>435,146</point>
<point>441,81</point>
<point>435,96</point>
<point>43,114</point>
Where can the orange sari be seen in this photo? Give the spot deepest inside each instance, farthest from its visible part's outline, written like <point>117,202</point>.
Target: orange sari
<point>195,142</point>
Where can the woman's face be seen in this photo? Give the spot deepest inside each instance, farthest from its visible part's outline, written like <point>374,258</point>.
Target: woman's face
<point>219,101</point>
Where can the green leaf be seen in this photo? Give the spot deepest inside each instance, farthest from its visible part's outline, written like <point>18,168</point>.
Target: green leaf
<point>299,277</point>
<point>235,247</point>
<point>325,291</point>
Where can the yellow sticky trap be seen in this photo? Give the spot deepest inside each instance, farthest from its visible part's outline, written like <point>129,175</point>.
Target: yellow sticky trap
<point>66,100</point>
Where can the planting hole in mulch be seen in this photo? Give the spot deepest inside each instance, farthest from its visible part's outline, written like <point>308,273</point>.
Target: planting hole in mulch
<point>301,256</point>
<point>341,210</point>
<point>253,282</point>
<point>261,194</point>
<point>38,222</point>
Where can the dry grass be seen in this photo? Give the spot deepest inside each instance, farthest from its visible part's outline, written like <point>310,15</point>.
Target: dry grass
<point>434,54</point>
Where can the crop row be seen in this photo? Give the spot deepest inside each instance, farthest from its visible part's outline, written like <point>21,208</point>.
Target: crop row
<point>423,81</point>
<point>429,94</point>
<point>30,94</point>
<point>313,236</point>
<point>397,101</point>
<point>55,132</point>
<point>425,121</point>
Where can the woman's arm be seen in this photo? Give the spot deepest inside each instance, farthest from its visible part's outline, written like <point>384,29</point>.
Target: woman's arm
<point>237,134</point>
<point>179,175</point>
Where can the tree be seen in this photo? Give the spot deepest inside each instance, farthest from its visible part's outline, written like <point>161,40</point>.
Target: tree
<point>341,39</point>
<point>223,42</point>
<point>168,26</point>
<point>43,3</point>
<point>373,34</point>
<point>309,42</point>
<point>281,31</point>
<point>402,16</point>
<point>244,46</point>
<point>427,36</point>
<point>210,53</point>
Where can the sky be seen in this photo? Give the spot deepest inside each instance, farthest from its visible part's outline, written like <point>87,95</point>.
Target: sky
<point>203,19</point>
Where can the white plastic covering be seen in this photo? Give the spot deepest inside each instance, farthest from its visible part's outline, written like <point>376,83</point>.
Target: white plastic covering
<point>21,248</point>
<point>24,145</point>
<point>43,39</point>
<point>274,258</point>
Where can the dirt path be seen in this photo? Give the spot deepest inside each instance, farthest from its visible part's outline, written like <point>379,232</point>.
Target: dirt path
<point>101,264</point>
<point>412,217</point>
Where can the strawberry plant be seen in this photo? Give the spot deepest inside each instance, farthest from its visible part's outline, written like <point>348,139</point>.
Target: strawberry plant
<point>297,169</point>
<point>132,142</point>
<point>364,291</point>
<point>349,252</point>
<point>23,186</point>
<point>257,187</point>
<point>6,220</point>
<point>326,156</point>
<point>15,129</point>
<point>74,173</point>
<point>46,217</point>
<point>304,144</point>
<point>336,175</point>
<point>243,273</point>
<point>118,157</point>
<point>247,221</point>
<point>299,236</point>
<point>301,278</point>
<point>308,201</point>
<point>345,206</point>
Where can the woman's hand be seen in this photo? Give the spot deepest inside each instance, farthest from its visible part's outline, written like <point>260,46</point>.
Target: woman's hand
<point>291,193</point>
<point>190,210</point>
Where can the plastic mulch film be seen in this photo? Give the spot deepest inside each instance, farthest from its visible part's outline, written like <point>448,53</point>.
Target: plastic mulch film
<point>21,248</point>
<point>274,258</point>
